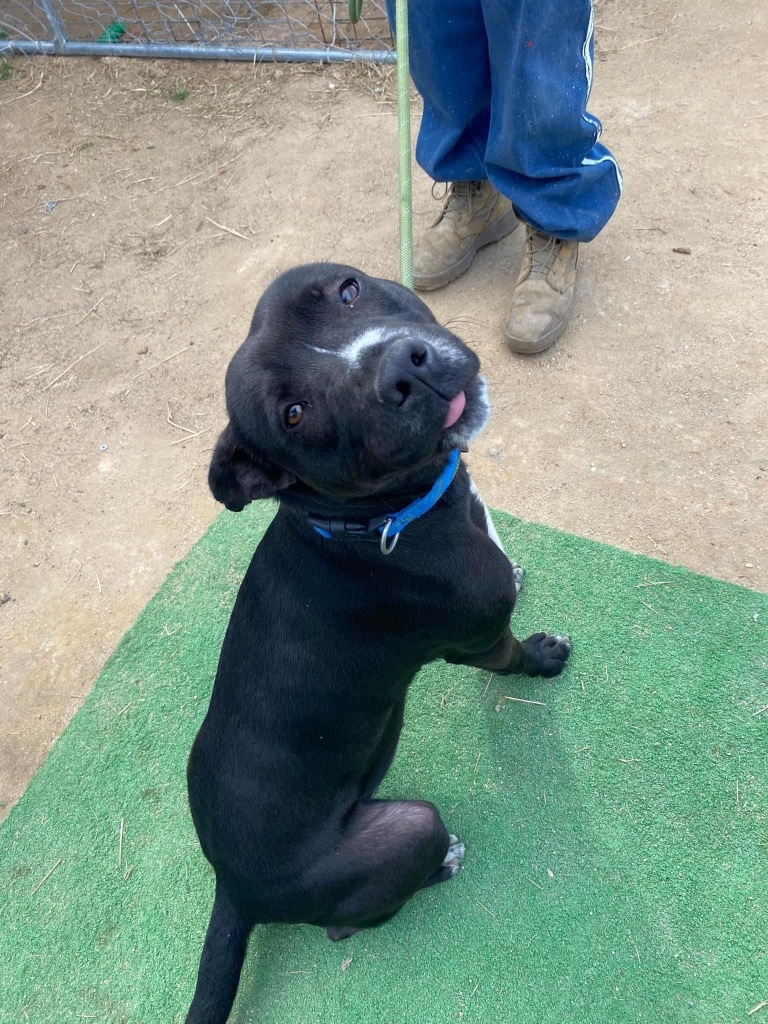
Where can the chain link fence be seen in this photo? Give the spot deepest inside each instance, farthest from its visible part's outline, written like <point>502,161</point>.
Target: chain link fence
<point>223,29</point>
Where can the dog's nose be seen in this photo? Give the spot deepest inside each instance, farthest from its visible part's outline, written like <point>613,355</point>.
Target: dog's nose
<point>403,363</point>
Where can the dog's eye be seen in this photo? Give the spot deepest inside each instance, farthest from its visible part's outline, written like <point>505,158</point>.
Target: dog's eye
<point>349,291</point>
<point>293,414</point>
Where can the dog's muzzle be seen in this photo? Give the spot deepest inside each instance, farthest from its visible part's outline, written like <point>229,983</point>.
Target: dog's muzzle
<point>409,364</point>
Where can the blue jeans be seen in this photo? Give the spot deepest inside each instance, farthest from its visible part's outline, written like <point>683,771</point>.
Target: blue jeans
<point>505,85</point>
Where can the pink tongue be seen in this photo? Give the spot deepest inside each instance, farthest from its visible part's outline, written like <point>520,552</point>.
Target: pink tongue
<point>455,409</point>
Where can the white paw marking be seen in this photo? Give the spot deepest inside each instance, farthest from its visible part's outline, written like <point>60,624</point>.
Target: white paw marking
<point>455,855</point>
<point>518,572</point>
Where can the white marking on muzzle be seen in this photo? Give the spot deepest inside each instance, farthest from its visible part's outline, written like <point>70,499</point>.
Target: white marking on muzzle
<point>352,352</point>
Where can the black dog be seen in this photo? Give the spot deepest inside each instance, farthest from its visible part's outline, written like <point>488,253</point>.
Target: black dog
<point>347,403</point>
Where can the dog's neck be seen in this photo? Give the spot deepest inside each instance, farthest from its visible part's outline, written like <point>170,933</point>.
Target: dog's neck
<point>409,498</point>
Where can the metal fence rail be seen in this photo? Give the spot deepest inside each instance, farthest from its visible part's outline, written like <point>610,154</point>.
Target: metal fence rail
<point>210,29</point>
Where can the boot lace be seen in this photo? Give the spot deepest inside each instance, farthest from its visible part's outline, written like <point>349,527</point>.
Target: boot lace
<point>456,196</point>
<point>541,250</point>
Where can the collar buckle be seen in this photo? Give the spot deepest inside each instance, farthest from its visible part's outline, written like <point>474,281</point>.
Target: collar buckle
<point>336,528</point>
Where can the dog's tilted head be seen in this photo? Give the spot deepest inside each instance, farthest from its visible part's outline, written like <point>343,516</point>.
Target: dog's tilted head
<point>344,383</point>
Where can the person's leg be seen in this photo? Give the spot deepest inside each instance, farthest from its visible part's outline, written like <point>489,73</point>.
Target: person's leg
<point>449,66</point>
<point>543,153</point>
<point>542,148</point>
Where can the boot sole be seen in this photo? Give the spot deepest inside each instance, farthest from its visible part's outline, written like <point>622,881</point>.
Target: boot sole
<point>500,228</point>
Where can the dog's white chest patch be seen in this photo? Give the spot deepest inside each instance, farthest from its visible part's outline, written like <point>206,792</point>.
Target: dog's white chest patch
<point>490,529</point>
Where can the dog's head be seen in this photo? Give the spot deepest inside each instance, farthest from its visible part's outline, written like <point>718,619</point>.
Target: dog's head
<point>344,383</point>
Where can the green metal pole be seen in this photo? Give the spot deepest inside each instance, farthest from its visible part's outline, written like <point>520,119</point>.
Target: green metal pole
<point>404,143</point>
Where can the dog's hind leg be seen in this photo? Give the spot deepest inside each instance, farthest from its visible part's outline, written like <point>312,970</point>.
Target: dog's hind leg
<point>220,964</point>
<point>385,752</point>
<point>389,850</point>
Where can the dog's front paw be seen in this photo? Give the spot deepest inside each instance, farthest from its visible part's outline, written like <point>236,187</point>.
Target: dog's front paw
<point>546,654</point>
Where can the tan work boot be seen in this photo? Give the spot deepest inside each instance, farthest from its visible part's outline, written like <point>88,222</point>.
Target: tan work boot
<point>474,214</point>
<point>543,296</point>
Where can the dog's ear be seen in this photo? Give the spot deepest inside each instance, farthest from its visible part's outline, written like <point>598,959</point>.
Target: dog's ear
<point>237,478</point>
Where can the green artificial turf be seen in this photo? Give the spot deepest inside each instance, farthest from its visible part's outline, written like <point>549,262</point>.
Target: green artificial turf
<point>616,836</point>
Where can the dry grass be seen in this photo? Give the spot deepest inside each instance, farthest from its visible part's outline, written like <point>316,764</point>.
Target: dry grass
<point>229,94</point>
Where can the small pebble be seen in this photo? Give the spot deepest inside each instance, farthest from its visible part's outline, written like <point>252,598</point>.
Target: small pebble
<point>682,249</point>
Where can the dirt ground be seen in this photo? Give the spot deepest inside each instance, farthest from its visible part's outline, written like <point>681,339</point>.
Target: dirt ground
<point>144,207</point>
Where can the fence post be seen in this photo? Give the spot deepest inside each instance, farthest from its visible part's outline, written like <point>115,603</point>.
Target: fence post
<point>56,24</point>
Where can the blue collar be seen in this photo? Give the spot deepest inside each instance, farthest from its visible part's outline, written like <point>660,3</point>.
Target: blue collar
<point>386,529</point>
